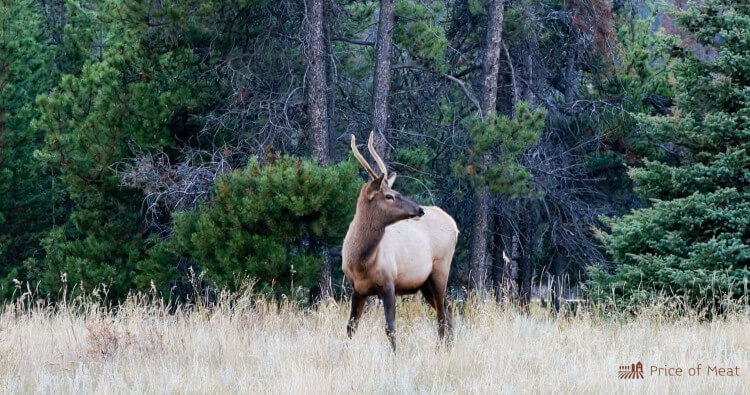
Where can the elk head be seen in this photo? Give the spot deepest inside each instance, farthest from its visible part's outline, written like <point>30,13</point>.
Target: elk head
<point>377,200</point>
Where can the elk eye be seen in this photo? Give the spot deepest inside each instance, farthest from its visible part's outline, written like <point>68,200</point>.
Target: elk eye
<point>389,196</point>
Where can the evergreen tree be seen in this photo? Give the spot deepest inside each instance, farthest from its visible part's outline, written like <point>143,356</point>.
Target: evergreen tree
<point>504,138</point>
<point>30,202</point>
<point>270,223</point>
<point>137,91</point>
<point>694,241</point>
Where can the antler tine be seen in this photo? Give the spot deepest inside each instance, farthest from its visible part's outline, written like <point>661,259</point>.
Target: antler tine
<point>377,157</point>
<point>361,159</point>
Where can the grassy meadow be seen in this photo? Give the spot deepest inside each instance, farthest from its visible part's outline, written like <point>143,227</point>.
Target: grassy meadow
<point>247,344</point>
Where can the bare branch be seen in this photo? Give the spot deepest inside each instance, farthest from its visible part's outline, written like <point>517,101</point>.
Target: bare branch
<point>353,41</point>
<point>466,91</point>
<point>512,73</point>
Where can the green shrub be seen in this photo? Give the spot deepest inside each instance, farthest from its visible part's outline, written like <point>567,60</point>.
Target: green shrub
<point>270,222</point>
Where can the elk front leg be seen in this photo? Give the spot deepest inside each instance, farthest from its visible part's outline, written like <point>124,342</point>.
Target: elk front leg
<point>389,305</point>
<point>358,305</point>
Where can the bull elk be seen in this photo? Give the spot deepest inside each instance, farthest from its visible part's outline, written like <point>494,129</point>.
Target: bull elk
<point>395,247</point>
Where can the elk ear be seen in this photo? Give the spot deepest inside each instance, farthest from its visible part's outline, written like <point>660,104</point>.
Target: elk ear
<point>392,179</point>
<point>374,188</point>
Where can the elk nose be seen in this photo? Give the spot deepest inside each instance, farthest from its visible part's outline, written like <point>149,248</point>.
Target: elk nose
<point>421,211</point>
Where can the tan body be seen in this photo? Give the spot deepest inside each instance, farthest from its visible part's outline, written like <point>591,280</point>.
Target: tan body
<point>409,252</point>
<point>394,247</point>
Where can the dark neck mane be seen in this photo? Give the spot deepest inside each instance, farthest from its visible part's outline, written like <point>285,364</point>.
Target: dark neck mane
<point>367,232</point>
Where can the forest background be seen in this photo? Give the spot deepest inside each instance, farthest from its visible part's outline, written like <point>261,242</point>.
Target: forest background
<point>599,146</point>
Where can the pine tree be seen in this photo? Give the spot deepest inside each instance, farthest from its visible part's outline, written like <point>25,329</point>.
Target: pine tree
<point>694,240</point>
<point>268,222</point>
<point>134,88</point>
<point>30,202</point>
<point>504,138</point>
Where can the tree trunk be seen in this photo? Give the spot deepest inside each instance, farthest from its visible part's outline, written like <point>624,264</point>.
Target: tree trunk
<point>528,71</point>
<point>490,67</point>
<point>529,219</point>
<point>316,55</point>
<point>382,80</point>
<point>505,267</point>
<point>524,279</point>
<point>571,82</point>
<point>557,270</point>
<point>330,13</point>
<point>491,61</point>
<point>317,92</point>
<point>495,272</point>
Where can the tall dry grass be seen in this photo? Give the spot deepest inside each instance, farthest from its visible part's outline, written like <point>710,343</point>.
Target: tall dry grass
<point>247,344</point>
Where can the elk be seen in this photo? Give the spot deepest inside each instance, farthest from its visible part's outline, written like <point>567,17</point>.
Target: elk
<point>396,247</point>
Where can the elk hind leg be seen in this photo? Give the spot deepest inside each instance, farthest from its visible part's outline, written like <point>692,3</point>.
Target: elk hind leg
<point>429,294</point>
<point>439,285</point>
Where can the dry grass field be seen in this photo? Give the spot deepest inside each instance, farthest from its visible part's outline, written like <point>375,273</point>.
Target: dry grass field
<point>257,346</point>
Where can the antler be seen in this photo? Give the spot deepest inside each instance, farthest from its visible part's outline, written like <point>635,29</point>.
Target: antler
<point>361,159</point>
<point>377,157</point>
